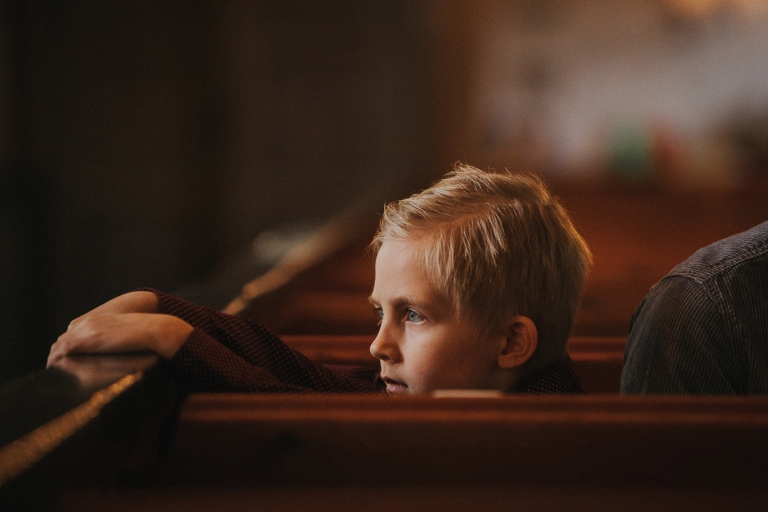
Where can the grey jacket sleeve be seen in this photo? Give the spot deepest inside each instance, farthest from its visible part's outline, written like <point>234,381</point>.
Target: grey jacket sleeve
<point>679,343</point>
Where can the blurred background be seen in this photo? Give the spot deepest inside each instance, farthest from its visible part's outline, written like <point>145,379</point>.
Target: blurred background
<point>154,143</point>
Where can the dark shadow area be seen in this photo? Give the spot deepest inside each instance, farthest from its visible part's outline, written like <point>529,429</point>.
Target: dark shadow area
<point>148,144</point>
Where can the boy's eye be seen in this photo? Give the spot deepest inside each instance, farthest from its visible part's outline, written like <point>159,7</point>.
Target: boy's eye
<point>414,317</point>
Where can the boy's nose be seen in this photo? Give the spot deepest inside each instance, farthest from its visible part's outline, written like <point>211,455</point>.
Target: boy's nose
<point>383,348</point>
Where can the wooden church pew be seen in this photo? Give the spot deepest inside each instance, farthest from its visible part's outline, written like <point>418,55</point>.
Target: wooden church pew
<point>454,498</point>
<point>586,440</point>
<point>280,452</point>
<point>598,361</point>
<point>92,373</point>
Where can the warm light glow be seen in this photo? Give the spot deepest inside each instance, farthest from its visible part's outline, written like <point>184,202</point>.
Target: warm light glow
<point>702,8</point>
<point>696,8</point>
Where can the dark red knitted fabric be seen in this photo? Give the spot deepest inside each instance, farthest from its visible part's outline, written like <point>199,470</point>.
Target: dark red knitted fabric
<point>558,379</point>
<point>232,353</point>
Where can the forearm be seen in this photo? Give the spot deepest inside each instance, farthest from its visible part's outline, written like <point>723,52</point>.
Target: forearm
<point>131,302</point>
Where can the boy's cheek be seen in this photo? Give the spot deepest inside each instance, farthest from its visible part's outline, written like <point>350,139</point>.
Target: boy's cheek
<point>428,376</point>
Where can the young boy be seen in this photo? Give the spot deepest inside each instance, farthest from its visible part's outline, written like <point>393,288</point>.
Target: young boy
<point>477,282</point>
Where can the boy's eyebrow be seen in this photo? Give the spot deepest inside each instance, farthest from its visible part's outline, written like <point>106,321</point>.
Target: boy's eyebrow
<point>399,302</point>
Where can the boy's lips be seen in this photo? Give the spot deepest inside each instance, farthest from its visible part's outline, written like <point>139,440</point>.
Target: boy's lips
<point>393,386</point>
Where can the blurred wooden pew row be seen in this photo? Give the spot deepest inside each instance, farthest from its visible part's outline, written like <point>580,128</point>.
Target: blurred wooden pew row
<point>598,359</point>
<point>335,452</point>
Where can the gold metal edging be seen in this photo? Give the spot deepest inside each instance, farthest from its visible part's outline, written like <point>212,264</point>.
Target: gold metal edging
<point>24,452</point>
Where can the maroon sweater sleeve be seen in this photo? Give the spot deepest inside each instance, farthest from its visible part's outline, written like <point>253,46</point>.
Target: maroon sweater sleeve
<point>231,353</point>
<point>555,380</point>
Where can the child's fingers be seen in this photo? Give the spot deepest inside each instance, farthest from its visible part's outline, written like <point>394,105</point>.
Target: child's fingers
<point>58,350</point>
<point>85,334</point>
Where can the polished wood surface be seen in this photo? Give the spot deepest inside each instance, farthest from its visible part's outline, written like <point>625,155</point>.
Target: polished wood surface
<point>553,440</point>
<point>454,498</point>
<point>420,453</point>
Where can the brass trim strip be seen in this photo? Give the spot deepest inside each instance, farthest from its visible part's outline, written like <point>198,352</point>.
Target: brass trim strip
<point>23,453</point>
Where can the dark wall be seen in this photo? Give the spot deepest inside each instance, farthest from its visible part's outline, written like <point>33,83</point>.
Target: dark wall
<point>144,141</point>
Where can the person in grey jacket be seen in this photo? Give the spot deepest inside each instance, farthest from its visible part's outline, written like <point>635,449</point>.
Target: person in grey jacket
<point>703,329</point>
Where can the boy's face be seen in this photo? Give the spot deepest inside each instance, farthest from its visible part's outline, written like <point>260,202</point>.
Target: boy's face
<point>422,344</point>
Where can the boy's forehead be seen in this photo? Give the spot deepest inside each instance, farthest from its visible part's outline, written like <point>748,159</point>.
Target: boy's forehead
<point>401,276</point>
<point>398,260</point>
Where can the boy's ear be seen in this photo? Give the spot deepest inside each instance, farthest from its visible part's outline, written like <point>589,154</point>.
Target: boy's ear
<point>520,342</point>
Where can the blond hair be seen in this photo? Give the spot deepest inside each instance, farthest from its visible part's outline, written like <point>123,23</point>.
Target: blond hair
<point>497,245</point>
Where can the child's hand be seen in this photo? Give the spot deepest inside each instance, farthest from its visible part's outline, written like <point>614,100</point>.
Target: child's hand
<point>131,302</point>
<point>104,332</point>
